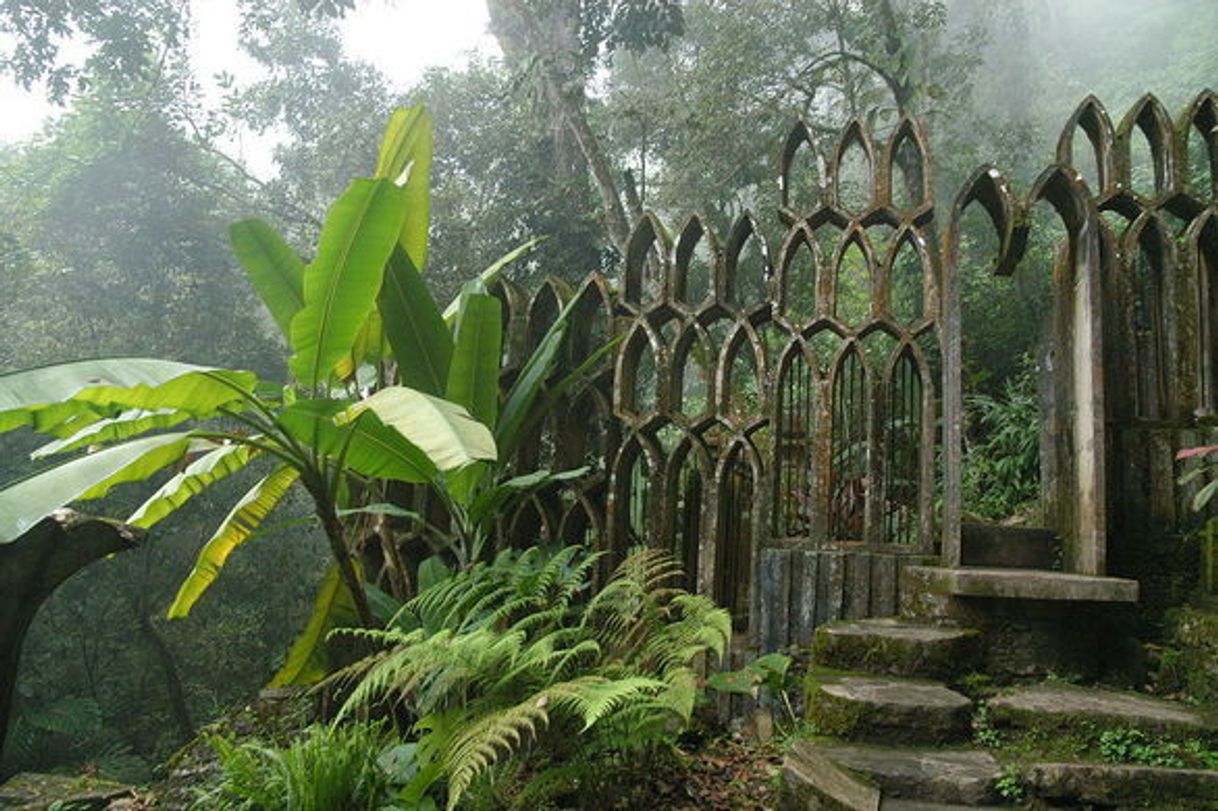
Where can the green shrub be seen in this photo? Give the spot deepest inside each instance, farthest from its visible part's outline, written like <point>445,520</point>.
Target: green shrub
<point>1002,461</point>
<point>327,768</point>
<point>513,666</point>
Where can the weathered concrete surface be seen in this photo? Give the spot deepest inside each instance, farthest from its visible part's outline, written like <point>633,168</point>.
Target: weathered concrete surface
<point>1066,706</point>
<point>887,710</point>
<point>1106,783</point>
<point>916,805</point>
<point>997,546</point>
<point>897,648</point>
<point>963,777</point>
<point>1022,584</point>
<point>813,782</point>
<point>34,792</point>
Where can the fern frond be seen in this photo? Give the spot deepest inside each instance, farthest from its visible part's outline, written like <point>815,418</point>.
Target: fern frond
<point>483,743</point>
<point>594,698</point>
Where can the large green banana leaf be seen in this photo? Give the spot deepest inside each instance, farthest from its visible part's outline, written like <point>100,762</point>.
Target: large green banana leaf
<point>132,422</point>
<point>308,662</point>
<point>414,328</point>
<point>198,476</point>
<point>240,523</point>
<point>473,377</point>
<point>51,397</point>
<point>342,282</point>
<point>405,158</point>
<point>444,431</point>
<point>91,476</point>
<point>371,448</point>
<point>273,268</point>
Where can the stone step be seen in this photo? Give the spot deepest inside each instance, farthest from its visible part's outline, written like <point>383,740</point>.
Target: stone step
<point>890,710</point>
<point>918,805</point>
<point>878,778</point>
<point>1119,784</point>
<point>1006,547</point>
<point>1067,708</point>
<point>890,646</point>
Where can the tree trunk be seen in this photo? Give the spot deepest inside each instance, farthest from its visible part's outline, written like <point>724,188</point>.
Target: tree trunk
<point>32,567</point>
<point>553,49</point>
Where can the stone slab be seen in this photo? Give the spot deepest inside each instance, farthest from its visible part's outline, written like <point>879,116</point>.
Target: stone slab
<point>917,805</point>
<point>863,708</point>
<point>1021,584</point>
<point>959,777</point>
<point>895,647</point>
<point>29,791</point>
<point>1064,705</point>
<point>1005,547</point>
<point>810,780</point>
<point>1107,783</point>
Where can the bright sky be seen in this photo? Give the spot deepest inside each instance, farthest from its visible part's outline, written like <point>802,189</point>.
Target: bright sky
<point>401,37</point>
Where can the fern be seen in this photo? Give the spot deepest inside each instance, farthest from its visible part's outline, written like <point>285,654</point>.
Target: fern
<point>503,658</point>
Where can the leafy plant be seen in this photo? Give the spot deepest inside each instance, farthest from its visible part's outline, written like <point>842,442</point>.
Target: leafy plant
<point>328,767</point>
<point>320,432</point>
<point>360,323</point>
<point>517,659</point>
<point>766,678</point>
<point>1010,786</point>
<point>1002,465</point>
<point>1135,746</point>
<point>1202,468</point>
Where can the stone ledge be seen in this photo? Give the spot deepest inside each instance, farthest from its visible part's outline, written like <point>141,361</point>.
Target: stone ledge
<point>811,780</point>
<point>1105,783</point>
<point>1062,706</point>
<point>944,776</point>
<point>1022,584</point>
<point>893,647</point>
<point>886,710</point>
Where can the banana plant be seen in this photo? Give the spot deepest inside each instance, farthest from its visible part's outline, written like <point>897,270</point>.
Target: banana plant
<point>327,431</point>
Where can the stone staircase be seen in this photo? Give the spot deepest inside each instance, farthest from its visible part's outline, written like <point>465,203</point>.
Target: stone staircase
<point>897,722</point>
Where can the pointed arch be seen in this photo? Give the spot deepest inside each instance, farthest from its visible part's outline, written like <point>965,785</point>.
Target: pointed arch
<point>1090,117</point>
<point>737,527</point>
<point>1074,474</point>
<point>1202,258</point>
<point>909,289</point>
<point>747,270</point>
<point>647,255</point>
<point>544,307</point>
<point>693,285</point>
<point>907,449</point>
<point>633,496</point>
<point>687,485</point>
<point>1148,248</point>
<point>907,168</point>
<point>692,377</point>
<point>854,136</point>
<point>799,277</point>
<point>1151,121</point>
<point>591,323</point>
<point>853,293</point>
<point>590,431</point>
<point>583,523</point>
<point>514,307</point>
<point>532,523</point>
<point>850,386</point>
<point>740,376</point>
<point>1202,124</point>
<point>797,513</point>
<point>637,383</point>
<point>798,143</point>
